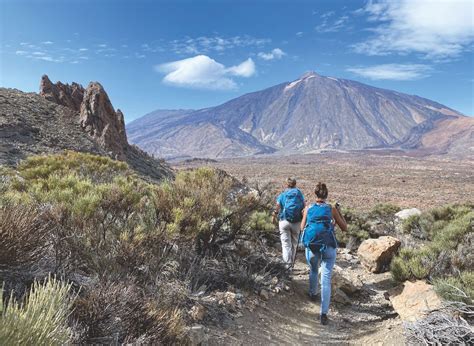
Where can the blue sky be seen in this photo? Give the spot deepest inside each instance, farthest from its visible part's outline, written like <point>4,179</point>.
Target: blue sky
<point>193,54</point>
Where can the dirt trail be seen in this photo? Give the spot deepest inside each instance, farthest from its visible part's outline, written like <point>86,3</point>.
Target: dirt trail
<point>291,319</point>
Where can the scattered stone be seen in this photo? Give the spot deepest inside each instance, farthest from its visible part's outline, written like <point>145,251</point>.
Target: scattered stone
<point>414,300</point>
<point>197,335</point>
<point>346,281</point>
<point>264,294</point>
<point>376,254</point>
<point>197,312</point>
<point>227,298</point>
<point>406,213</point>
<point>274,281</point>
<point>338,296</point>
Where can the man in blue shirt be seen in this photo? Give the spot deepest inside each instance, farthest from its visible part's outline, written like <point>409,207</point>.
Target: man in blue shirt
<point>289,209</point>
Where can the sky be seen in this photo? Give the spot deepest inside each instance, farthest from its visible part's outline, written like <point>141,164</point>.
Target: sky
<point>152,55</point>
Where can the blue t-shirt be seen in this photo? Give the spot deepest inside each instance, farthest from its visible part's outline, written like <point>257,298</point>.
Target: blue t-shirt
<point>281,201</point>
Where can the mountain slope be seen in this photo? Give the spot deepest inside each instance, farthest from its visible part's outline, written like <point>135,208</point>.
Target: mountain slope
<point>71,117</point>
<point>311,113</point>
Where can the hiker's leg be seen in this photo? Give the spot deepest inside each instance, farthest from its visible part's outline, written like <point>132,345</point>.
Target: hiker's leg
<point>295,231</point>
<point>313,271</point>
<point>327,264</point>
<point>285,237</point>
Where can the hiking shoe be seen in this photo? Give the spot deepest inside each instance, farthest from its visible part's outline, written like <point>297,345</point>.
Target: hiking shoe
<point>324,319</point>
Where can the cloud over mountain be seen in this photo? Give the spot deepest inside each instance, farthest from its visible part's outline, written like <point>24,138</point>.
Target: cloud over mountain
<point>203,72</point>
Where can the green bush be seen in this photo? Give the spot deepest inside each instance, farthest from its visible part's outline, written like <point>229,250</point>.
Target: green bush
<point>443,259</point>
<point>41,320</point>
<point>384,210</point>
<point>261,221</point>
<point>459,288</point>
<point>133,246</point>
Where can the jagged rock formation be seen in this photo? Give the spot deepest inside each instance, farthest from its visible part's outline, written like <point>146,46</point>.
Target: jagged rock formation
<point>311,113</point>
<point>71,117</point>
<point>96,113</point>
<point>67,95</point>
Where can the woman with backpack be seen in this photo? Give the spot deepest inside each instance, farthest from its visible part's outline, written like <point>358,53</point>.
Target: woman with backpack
<point>320,242</point>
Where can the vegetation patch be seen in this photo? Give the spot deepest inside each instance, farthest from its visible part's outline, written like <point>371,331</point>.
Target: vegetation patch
<point>135,251</point>
<point>446,259</point>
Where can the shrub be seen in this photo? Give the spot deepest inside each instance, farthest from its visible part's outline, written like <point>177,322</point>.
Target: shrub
<point>41,320</point>
<point>120,311</point>
<point>457,289</point>
<point>261,221</point>
<point>384,210</point>
<point>23,233</point>
<point>96,168</point>
<point>136,249</point>
<point>449,229</point>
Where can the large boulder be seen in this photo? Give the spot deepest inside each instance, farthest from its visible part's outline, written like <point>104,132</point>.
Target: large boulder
<point>376,254</point>
<point>414,300</point>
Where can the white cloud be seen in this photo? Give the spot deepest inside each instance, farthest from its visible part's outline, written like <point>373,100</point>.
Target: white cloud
<point>206,44</point>
<point>299,33</point>
<point>83,49</point>
<point>47,42</point>
<point>331,26</point>
<point>392,71</point>
<point>276,53</point>
<point>438,29</point>
<point>202,72</point>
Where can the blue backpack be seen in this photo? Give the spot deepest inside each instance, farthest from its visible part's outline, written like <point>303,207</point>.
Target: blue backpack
<point>319,229</point>
<point>292,205</point>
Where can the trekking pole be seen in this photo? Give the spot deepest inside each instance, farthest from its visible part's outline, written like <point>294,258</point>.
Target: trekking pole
<point>296,250</point>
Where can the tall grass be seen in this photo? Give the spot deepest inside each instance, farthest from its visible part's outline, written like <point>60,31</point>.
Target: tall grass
<point>41,319</point>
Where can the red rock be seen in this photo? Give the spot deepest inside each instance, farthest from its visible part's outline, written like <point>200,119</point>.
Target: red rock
<point>376,254</point>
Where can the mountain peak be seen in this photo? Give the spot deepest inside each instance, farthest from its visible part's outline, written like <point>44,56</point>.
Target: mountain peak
<point>309,74</point>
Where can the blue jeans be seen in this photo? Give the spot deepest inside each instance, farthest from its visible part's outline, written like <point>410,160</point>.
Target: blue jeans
<point>327,259</point>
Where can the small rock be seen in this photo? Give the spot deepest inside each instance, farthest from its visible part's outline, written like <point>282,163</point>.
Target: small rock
<point>197,335</point>
<point>197,312</point>
<point>339,296</point>
<point>345,280</point>
<point>406,213</point>
<point>376,254</point>
<point>274,281</point>
<point>264,294</point>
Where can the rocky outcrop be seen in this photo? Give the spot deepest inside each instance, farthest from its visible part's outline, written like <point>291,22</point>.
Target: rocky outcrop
<point>414,300</point>
<point>70,96</point>
<point>376,254</point>
<point>99,119</point>
<point>70,117</point>
<point>97,116</point>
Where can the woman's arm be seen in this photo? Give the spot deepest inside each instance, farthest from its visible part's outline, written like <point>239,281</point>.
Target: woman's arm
<point>339,219</point>
<point>303,221</point>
